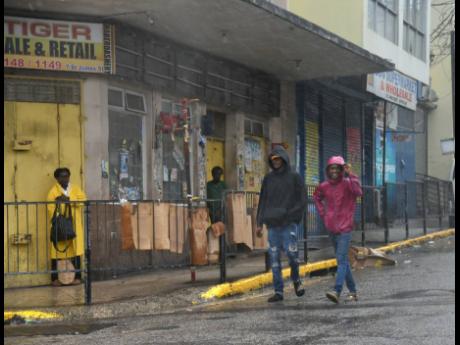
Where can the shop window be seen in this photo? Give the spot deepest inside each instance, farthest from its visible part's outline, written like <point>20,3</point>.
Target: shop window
<point>247,127</point>
<point>116,98</point>
<point>126,169</point>
<point>213,125</point>
<point>254,128</point>
<point>127,100</point>
<point>135,102</point>
<point>172,131</point>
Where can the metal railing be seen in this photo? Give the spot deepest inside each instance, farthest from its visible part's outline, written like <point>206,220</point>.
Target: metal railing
<point>160,230</point>
<point>422,205</point>
<point>29,255</point>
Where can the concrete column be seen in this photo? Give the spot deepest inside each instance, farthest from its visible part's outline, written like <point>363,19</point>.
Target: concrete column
<point>198,150</point>
<point>156,151</point>
<point>96,136</point>
<point>234,150</point>
<point>288,119</point>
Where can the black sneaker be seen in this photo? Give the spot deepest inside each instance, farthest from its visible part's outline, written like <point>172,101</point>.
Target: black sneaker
<point>275,298</point>
<point>333,296</point>
<point>299,290</point>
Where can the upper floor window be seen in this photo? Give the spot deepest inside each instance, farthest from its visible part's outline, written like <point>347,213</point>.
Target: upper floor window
<point>415,17</point>
<point>383,18</point>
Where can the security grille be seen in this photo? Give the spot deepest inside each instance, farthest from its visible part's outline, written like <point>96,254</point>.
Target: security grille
<point>41,91</point>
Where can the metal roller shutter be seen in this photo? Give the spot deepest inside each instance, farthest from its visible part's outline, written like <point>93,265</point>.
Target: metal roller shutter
<point>312,166</point>
<point>332,128</point>
<point>353,143</point>
<point>312,160</point>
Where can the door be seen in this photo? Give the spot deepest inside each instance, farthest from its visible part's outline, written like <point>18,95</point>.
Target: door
<point>214,156</point>
<point>38,138</point>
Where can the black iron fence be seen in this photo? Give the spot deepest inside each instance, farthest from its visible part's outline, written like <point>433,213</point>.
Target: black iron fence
<point>152,234</point>
<point>30,256</point>
<point>392,211</point>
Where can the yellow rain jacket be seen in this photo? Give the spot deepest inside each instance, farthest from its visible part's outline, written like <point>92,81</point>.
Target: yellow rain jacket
<point>76,247</point>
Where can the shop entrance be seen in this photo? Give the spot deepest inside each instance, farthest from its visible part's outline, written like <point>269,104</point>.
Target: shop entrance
<point>42,132</point>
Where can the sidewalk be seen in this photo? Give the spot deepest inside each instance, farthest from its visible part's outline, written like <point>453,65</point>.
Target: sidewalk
<point>158,283</point>
<point>161,290</point>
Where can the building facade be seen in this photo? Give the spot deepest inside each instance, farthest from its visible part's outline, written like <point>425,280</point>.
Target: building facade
<point>138,111</point>
<point>399,32</point>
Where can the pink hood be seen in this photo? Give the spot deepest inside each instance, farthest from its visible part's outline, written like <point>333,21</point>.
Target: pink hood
<point>336,160</point>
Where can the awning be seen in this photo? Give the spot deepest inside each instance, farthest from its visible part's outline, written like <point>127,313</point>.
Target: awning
<point>254,33</point>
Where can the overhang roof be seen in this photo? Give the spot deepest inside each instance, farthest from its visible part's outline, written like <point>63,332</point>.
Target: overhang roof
<point>258,34</point>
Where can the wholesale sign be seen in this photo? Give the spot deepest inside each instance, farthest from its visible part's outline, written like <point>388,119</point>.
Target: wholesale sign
<point>393,87</point>
<point>58,45</point>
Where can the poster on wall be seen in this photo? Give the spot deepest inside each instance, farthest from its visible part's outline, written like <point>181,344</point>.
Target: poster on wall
<point>390,161</point>
<point>46,44</point>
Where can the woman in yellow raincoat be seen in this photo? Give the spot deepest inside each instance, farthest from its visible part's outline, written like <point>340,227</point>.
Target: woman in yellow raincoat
<point>64,191</point>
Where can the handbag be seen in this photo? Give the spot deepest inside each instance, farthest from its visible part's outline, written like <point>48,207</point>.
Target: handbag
<point>62,227</point>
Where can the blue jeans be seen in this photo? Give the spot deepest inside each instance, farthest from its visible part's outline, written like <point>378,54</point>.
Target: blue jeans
<point>341,243</point>
<point>283,238</point>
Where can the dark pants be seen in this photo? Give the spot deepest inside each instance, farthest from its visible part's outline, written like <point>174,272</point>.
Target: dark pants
<point>215,211</point>
<point>76,262</point>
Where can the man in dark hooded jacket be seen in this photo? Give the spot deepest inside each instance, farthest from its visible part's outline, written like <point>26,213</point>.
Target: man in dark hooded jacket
<point>281,206</point>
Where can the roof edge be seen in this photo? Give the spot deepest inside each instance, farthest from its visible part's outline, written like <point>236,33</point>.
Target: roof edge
<point>318,30</point>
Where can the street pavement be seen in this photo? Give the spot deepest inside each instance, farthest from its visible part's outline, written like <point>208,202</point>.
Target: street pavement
<point>410,303</point>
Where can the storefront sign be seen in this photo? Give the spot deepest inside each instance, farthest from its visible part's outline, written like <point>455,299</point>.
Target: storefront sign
<point>394,87</point>
<point>58,45</point>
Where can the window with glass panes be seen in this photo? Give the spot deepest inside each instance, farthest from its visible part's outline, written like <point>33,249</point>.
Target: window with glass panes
<point>172,129</point>
<point>414,36</point>
<point>383,18</point>
<point>126,164</point>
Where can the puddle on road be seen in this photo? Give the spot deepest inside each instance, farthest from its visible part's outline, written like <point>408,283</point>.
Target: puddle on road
<point>53,329</point>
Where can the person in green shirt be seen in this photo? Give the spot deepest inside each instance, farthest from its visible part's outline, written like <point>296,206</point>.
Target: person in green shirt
<point>215,190</point>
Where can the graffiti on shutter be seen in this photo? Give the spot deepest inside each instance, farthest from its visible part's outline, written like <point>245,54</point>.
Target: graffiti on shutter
<point>311,153</point>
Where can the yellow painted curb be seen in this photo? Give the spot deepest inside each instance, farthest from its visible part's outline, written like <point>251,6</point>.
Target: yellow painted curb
<point>260,280</point>
<point>30,315</point>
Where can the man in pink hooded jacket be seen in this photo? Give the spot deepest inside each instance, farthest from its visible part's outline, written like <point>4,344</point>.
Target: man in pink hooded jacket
<point>335,200</point>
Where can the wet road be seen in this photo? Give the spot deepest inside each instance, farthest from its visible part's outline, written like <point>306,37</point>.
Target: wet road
<point>410,303</point>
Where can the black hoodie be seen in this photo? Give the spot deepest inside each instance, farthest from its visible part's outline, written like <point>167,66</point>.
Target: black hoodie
<point>282,196</point>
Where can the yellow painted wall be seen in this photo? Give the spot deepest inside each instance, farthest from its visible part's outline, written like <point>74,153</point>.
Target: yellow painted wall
<point>342,17</point>
<point>440,120</point>
<point>214,156</point>
<point>56,140</point>
<point>440,125</point>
